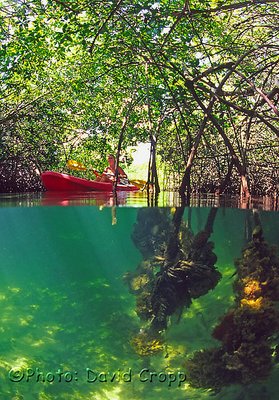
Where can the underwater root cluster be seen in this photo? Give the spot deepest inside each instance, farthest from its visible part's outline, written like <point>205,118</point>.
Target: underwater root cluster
<point>178,266</point>
<point>140,283</point>
<point>140,279</point>
<point>146,344</point>
<point>150,232</point>
<point>163,286</point>
<point>192,276</point>
<point>246,354</point>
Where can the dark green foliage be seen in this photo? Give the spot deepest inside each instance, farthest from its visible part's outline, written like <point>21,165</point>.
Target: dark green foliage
<point>71,70</point>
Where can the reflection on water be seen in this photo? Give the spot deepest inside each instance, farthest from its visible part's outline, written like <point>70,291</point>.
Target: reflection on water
<point>156,303</point>
<point>134,199</point>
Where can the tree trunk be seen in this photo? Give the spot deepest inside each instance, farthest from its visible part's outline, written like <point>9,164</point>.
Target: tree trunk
<point>225,182</point>
<point>244,190</point>
<point>185,184</point>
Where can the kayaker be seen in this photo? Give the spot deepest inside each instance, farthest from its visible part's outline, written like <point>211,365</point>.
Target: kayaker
<point>109,172</point>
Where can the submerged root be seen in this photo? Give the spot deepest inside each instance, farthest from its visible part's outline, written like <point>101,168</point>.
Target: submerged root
<point>192,276</point>
<point>178,267</point>
<point>147,344</point>
<point>246,353</point>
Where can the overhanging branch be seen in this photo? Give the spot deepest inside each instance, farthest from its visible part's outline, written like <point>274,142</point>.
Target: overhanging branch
<point>229,7</point>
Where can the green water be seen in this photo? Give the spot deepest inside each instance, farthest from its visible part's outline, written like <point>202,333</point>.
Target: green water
<point>67,316</point>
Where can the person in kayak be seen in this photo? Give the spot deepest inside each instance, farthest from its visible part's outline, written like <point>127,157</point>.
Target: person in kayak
<point>108,174</point>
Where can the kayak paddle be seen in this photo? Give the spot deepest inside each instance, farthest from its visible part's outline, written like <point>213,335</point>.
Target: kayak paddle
<point>75,165</point>
<point>78,166</point>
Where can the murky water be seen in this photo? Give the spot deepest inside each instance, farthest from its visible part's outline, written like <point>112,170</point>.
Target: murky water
<point>74,324</point>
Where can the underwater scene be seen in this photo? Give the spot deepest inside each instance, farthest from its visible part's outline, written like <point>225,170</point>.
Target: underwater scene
<point>135,303</point>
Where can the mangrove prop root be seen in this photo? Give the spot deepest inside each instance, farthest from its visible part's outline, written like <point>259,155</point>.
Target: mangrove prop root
<point>145,343</point>
<point>151,231</point>
<point>184,270</point>
<point>189,271</point>
<point>245,332</point>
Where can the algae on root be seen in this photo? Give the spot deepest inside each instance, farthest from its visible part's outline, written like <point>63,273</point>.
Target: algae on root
<point>246,331</point>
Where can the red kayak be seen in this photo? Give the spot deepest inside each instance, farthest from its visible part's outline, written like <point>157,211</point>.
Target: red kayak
<point>55,181</point>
